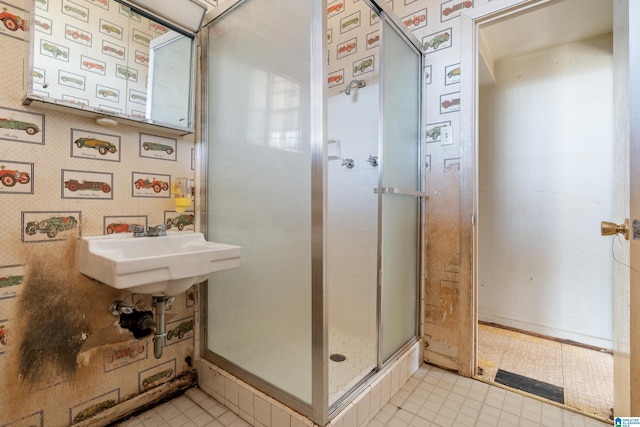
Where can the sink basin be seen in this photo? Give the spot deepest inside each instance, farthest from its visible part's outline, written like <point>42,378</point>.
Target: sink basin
<point>165,265</point>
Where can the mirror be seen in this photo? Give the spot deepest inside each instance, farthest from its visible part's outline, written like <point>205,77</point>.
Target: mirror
<point>108,58</point>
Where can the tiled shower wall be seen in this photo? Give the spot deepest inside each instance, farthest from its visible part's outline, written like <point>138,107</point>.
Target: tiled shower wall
<point>353,212</point>
<point>63,357</point>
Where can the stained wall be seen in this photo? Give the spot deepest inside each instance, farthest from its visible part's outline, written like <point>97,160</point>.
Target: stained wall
<point>63,356</point>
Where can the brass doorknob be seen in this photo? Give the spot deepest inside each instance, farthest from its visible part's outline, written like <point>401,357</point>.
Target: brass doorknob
<point>611,229</point>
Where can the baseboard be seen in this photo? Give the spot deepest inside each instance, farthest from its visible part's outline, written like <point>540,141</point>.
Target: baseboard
<point>542,331</point>
<point>142,401</point>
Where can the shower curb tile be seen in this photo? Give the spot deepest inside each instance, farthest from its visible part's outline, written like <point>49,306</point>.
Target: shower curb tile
<point>247,417</point>
<point>279,417</point>
<point>262,410</point>
<point>231,392</point>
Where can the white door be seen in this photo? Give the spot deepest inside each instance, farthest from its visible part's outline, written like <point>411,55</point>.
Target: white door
<point>626,293</point>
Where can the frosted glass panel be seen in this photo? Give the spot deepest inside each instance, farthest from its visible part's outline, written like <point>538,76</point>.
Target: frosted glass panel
<point>259,315</point>
<point>401,103</point>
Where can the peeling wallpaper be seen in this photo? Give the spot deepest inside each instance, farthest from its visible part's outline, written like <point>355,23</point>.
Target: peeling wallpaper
<point>63,356</point>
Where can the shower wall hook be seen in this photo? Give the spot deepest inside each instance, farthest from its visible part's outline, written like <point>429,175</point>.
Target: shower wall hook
<point>373,160</point>
<point>349,163</point>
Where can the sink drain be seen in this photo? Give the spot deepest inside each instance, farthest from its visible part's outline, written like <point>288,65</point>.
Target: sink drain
<point>337,357</point>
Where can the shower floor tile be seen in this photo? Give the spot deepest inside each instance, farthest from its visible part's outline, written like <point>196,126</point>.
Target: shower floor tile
<point>360,360</point>
<point>585,375</point>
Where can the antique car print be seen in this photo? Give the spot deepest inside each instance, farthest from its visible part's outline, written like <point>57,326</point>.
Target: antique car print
<point>346,48</point>
<point>75,185</point>
<point>127,73</point>
<point>462,5</point>
<point>111,29</point>
<point>142,58</point>
<point>90,65</point>
<point>94,409</point>
<point>75,10</point>
<point>103,147</point>
<point>120,227</point>
<point>434,133</point>
<point>78,35</point>
<point>373,40</point>
<point>54,50</point>
<point>437,41</point>
<point>140,37</point>
<point>155,377</point>
<point>127,10</point>
<point>37,74</point>
<point>42,25</point>
<point>159,28</point>
<point>111,49</point>
<point>454,72</point>
<point>140,97</point>
<point>181,221</point>
<point>51,226</point>
<point>156,146</point>
<point>180,330</point>
<point>10,281</point>
<point>156,184</point>
<point>450,102</point>
<point>334,8</point>
<point>72,80</point>
<point>9,177</point>
<point>122,352</point>
<point>12,22</point>
<point>363,65</point>
<point>351,21</point>
<point>30,128</point>
<point>416,20</point>
<point>335,79</point>
<point>106,92</point>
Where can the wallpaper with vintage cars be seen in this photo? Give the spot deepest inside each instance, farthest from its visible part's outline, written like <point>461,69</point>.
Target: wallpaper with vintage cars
<point>96,53</point>
<point>62,176</point>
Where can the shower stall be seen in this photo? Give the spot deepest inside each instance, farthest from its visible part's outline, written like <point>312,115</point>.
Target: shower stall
<point>328,290</point>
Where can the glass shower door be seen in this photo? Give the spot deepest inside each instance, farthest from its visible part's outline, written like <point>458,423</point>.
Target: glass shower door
<point>259,191</point>
<point>399,190</point>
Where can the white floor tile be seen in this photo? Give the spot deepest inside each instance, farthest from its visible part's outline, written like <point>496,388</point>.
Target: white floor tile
<point>425,406</point>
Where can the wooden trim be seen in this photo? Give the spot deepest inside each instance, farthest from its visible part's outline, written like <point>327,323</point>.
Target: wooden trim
<point>143,401</point>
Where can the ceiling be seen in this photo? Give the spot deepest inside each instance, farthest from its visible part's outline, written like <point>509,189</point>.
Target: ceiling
<point>555,24</point>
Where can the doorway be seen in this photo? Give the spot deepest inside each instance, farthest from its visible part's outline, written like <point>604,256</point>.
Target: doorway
<point>544,182</point>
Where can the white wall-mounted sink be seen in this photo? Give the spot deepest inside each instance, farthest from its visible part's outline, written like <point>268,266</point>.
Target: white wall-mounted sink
<point>164,265</point>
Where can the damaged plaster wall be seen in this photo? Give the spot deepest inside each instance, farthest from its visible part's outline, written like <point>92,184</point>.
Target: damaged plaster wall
<point>63,356</point>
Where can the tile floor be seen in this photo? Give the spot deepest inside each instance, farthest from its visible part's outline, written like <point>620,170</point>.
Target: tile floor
<point>585,375</point>
<point>360,353</point>
<point>431,398</point>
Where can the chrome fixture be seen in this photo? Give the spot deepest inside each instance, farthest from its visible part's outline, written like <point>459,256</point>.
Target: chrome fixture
<point>349,163</point>
<point>155,231</point>
<point>159,337</point>
<point>373,160</point>
<point>118,307</point>
<point>354,84</point>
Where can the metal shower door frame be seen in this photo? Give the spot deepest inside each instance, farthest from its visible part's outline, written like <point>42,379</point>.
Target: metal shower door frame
<point>319,410</point>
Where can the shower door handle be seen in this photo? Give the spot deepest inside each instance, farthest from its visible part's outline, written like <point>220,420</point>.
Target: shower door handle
<point>394,190</point>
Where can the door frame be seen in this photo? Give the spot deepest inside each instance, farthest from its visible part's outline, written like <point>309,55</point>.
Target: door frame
<point>470,22</point>
<point>626,371</point>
